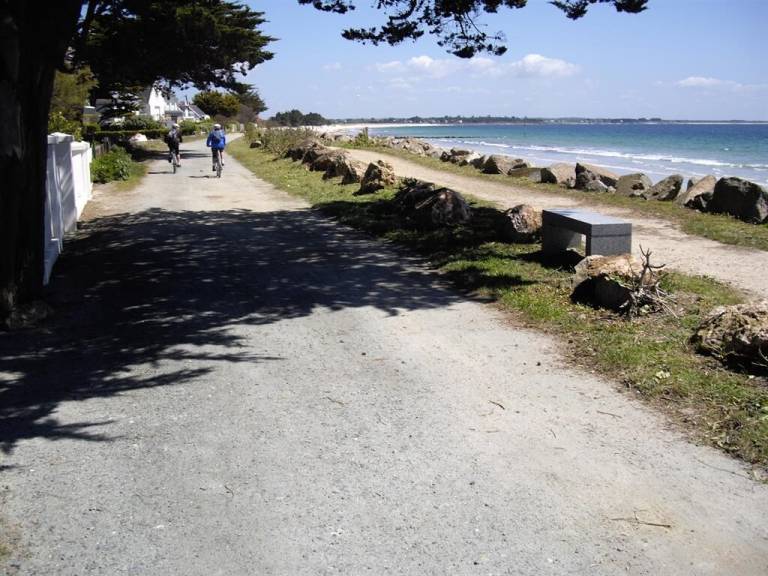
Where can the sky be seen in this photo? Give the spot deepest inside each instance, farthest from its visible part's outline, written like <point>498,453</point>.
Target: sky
<point>680,59</point>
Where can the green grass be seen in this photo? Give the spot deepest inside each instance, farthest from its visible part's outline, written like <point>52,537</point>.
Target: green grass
<point>719,227</point>
<point>650,355</point>
<point>137,171</point>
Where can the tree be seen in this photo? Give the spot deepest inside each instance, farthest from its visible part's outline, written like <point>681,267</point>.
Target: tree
<point>70,92</point>
<point>126,43</point>
<point>249,97</point>
<point>216,103</point>
<point>296,118</point>
<point>453,22</point>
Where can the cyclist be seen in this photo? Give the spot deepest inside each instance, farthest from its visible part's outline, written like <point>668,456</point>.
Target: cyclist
<point>173,139</point>
<point>216,142</point>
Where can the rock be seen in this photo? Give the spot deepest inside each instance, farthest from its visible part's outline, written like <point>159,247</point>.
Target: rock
<point>698,195</point>
<point>377,176</point>
<point>532,174</point>
<point>692,181</point>
<point>352,171</point>
<point>586,173</point>
<point>596,186</point>
<point>743,199</point>
<point>431,207</point>
<point>498,164</point>
<point>479,162</point>
<point>633,184</point>
<point>411,193</point>
<point>467,160</point>
<point>256,144</point>
<point>456,155</point>
<point>327,161</point>
<point>601,280</point>
<point>667,189</point>
<point>312,153</point>
<point>444,207</point>
<point>521,224</point>
<point>736,334</point>
<point>298,151</point>
<point>561,174</point>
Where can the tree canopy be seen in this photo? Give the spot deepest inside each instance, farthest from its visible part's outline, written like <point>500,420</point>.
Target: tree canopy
<point>297,118</point>
<point>455,23</point>
<point>130,43</point>
<point>217,103</point>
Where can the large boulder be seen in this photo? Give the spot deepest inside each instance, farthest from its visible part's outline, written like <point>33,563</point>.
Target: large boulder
<point>479,162</point>
<point>378,175</point>
<point>698,194</point>
<point>327,162</point>
<point>499,164</point>
<point>561,174</point>
<point>586,173</point>
<point>431,207</point>
<point>467,160</point>
<point>736,334</point>
<point>743,199</point>
<point>457,156</point>
<point>521,224</point>
<point>633,185</point>
<point>603,280</point>
<point>412,192</point>
<point>445,207</point>
<point>298,151</point>
<point>351,171</point>
<point>666,189</point>
<point>532,174</point>
<point>312,153</point>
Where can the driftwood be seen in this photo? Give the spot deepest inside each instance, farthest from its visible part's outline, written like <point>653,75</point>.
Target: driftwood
<point>645,292</point>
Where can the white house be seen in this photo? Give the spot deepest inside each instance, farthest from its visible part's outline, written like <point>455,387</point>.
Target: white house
<point>156,105</point>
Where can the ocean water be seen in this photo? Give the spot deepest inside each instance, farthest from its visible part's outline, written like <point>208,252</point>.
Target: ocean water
<point>657,149</point>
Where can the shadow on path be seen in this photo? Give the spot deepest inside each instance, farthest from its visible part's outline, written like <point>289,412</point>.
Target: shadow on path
<point>141,288</point>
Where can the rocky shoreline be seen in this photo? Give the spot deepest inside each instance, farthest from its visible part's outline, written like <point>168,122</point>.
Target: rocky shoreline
<point>742,199</point>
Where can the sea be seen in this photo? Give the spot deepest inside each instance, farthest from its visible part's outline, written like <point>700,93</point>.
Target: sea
<point>656,149</point>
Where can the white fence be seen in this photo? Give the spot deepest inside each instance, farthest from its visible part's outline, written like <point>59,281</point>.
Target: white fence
<point>68,189</point>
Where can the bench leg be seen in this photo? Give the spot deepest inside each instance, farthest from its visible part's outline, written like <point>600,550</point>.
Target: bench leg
<point>609,245</point>
<point>555,239</point>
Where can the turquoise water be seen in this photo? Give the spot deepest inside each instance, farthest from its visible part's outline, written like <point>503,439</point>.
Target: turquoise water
<point>657,149</point>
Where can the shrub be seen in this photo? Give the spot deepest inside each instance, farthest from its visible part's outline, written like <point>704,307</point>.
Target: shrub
<point>252,133</point>
<point>135,124</point>
<point>279,140</point>
<point>188,127</point>
<point>57,122</point>
<point>114,165</point>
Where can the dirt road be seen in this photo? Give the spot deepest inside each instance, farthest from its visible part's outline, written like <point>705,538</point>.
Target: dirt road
<point>233,384</point>
<point>741,267</point>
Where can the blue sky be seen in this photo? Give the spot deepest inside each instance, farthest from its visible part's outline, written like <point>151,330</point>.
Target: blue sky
<point>680,59</point>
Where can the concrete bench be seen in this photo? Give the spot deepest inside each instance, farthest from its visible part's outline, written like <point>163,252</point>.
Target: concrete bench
<point>562,229</point>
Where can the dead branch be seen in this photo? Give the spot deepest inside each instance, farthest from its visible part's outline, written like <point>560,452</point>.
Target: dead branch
<point>645,292</point>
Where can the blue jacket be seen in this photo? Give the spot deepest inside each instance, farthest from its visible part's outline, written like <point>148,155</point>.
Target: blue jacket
<point>222,140</point>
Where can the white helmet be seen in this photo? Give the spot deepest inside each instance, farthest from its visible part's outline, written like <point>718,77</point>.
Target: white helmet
<point>174,125</point>
<point>217,126</point>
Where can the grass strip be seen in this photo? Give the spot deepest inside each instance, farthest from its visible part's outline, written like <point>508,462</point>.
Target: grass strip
<point>719,227</point>
<point>650,355</point>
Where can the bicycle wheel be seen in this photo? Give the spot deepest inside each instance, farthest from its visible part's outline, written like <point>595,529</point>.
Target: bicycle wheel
<point>173,163</point>
<point>218,165</point>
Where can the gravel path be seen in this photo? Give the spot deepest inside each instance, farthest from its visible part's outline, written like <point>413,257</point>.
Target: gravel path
<point>233,384</point>
<point>743,268</point>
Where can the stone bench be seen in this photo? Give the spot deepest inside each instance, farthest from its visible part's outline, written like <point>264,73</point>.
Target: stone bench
<point>562,229</point>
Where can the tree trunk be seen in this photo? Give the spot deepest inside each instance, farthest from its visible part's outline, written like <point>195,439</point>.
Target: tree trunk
<point>33,38</point>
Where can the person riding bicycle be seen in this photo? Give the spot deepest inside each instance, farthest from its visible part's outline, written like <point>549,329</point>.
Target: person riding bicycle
<point>216,142</point>
<point>173,139</point>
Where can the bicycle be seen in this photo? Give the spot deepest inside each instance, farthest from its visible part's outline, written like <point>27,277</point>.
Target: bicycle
<point>218,164</point>
<point>175,160</point>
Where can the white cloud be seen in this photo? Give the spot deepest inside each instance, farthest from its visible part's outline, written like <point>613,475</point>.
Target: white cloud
<point>394,65</point>
<point>530,66</point>
<point>701,82</point>
<point>538,66</point>
<point>332,66</point>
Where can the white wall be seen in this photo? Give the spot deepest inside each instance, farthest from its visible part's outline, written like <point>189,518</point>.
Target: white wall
<point>68,189</point>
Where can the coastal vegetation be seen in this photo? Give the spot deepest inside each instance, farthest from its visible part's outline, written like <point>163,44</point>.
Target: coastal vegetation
<point>650,356</point>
